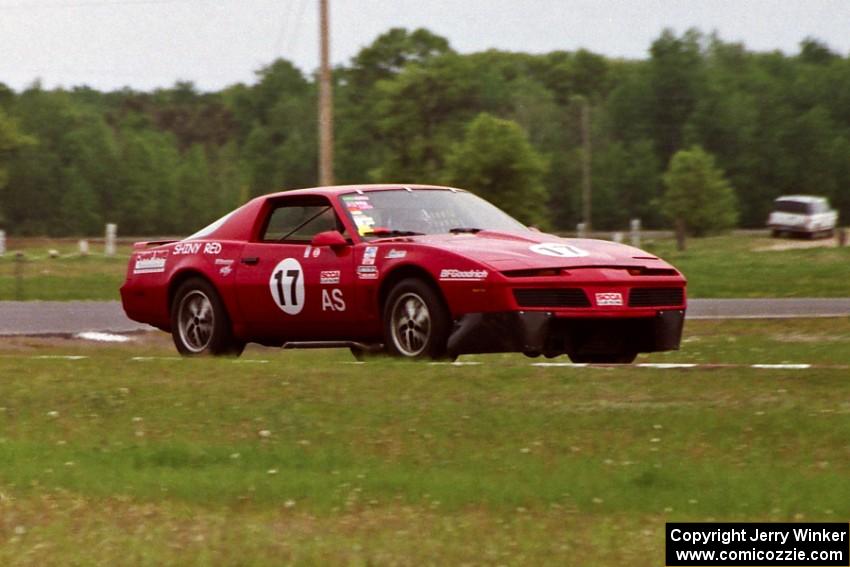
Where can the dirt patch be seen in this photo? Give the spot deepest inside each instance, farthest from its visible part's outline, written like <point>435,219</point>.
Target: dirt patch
<point>798,245</point>
<point>808,338</point>
<point>24,344</point>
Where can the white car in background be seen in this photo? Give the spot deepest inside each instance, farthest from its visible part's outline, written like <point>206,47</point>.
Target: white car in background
<point>802,214</point>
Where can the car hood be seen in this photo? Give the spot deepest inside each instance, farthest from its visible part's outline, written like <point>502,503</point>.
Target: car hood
<point>515,251</point>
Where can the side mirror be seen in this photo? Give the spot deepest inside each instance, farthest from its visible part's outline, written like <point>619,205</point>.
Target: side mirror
<point>330,238</point>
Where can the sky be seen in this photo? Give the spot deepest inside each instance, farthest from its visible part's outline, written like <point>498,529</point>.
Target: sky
<point>145,44</point>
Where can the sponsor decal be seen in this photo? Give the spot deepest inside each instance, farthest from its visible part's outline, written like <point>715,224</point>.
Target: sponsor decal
<point>329,277</point>
<point>559,250</point>
<point>187,248</point>
<point>150,262</point>
<point>225,264</point>
<point>609,299</point>
<point>286,285</point>
<point>367,272</point>
<point>395,254</point>
<point>357,205</point>
<point>369,255</point>
<point>364,223</point>
<point>332,300</point>
<point>463,275</point>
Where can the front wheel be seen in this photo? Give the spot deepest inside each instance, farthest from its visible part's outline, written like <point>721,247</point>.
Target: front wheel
<point>199,321</point>
<point>416,321</point>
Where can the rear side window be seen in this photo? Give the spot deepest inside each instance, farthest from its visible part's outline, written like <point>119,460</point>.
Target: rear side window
<point>299,222</point>
<point>792,207</point>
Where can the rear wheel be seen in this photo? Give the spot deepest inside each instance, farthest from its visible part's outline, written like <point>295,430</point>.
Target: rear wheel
<point>416,321</point>
<point>606,358</point>
<point>199,321</point>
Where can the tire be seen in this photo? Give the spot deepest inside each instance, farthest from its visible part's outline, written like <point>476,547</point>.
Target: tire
<point>608,358</point>
<point>199,322</point>
<point>416,321</point>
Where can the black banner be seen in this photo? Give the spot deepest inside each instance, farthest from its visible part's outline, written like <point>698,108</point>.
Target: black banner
<point>743,544</point>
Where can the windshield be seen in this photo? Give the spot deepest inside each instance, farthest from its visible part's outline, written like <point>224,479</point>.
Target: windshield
<point>424,211</point>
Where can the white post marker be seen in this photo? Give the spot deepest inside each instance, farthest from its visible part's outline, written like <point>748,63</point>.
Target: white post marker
<point>111,232</point>
<point>2,242</point>
<point>84,247</point>
<point>634,227</point>
<point>581,230</point>
<point>617,237</point>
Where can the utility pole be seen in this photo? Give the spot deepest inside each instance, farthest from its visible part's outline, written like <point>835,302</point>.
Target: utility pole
<point>326,119</point>
<point>585,163</point>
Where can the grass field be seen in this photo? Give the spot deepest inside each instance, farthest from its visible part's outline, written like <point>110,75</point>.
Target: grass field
<point>67,277</point>
<point>305,458</point>
<point>724,266</point>
<point>742,266</point>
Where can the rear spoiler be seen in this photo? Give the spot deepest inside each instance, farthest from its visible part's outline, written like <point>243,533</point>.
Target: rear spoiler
<point>151,244</point>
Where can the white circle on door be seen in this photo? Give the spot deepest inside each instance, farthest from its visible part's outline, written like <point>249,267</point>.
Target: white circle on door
<point>287,286</point>
<point>559,250</point>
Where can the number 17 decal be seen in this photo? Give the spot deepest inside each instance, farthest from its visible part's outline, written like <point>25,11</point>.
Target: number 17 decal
<point>287,286</point>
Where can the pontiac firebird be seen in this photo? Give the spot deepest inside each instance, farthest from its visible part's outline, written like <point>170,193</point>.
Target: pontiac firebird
<point>413,271</point>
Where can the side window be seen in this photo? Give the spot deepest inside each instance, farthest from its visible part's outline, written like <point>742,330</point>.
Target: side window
<point>299,223</point>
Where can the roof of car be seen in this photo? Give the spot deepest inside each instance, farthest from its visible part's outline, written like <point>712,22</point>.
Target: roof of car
<point>801,198</point>
<point>341,189</point>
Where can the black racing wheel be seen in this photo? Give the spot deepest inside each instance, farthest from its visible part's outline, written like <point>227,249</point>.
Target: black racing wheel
<point>416,321</point>
<point>199,321</point>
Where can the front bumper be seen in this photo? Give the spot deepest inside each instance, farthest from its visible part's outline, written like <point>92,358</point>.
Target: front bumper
<point>541,332</point>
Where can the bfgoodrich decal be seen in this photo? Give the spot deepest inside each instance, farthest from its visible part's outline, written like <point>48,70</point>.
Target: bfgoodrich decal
<point>150,262</point>
<point>463,275</point>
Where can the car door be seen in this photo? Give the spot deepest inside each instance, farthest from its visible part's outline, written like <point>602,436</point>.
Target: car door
<point>289,290</point>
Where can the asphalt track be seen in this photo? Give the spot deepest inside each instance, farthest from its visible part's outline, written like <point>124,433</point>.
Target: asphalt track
<point>71,317</point>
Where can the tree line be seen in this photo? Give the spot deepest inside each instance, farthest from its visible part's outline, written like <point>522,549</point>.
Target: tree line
<point>409,108</point>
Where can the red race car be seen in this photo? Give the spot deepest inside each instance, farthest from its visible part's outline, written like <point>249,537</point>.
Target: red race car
<point>415,271</point>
